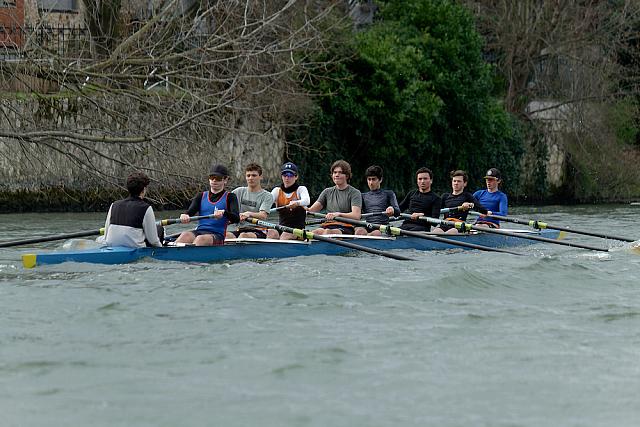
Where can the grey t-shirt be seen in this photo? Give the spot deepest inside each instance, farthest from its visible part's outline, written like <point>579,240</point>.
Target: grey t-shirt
<point>379,201</point>
<point>335,200</point>
<point>253,201</point>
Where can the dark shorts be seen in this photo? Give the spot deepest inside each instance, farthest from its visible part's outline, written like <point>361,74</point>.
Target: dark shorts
<point>446,228</point>
<point>343,228</point>
<point>216,236</point>
<point>260,234</point>
<point>410,226</point>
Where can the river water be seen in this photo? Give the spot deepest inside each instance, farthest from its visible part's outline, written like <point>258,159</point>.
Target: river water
<point>459,338</point>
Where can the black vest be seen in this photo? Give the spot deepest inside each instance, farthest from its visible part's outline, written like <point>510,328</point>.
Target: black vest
<point>129,212</point>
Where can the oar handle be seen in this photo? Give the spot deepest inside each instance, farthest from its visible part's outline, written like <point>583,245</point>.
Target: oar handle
<point>171,221</point>
<point>272,210</point>
<point>447,210</point>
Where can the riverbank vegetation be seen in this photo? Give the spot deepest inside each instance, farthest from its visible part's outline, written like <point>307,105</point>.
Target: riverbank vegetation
<point>546,91</point>
<point>411,90</point>
<point>506,84</point>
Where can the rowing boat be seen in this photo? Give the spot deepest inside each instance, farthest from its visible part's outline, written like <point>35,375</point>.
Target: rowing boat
<point>267,248</point>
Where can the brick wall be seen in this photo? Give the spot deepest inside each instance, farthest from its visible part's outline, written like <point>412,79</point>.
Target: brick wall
<point>11,20</point>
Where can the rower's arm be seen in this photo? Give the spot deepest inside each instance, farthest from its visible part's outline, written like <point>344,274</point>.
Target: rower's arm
<point>258,215</point>
<point>107,223</point>
<point>232,212</point>
<point>316,207</point>
<point>503,206</point>
<point>194,207</point>
<point>393,202</point>
<point>305,199</point>
<point>356,213</point>
<point>149,228</point>
<point>435,208</point>
<point>479,206</point>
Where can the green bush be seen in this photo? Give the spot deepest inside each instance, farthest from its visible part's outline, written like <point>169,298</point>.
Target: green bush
<point>411,91</point>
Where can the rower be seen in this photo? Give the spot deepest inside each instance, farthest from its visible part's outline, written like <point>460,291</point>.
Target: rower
<point>421,202</point>
<point>458,198</point>
<point>131,222</point>
<point>493,199</point>
<point>340,200</point>
<point>254,202</point>
<point>290,199</point>
<point>377,200</point>
<point>217,202</point>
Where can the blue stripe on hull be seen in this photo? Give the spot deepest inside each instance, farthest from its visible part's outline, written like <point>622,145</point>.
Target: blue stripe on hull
<point>268,249</point>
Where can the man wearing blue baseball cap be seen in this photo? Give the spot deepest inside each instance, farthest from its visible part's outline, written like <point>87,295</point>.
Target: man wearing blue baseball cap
<point>290,198</point>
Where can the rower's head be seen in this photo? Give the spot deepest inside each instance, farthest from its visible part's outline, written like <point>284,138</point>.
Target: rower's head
<point>218,178</point>
<point>253,175</point>
<point>374,177</point>
<point>424,178</point>
<point>493,178</point>
<point>137,182</point>
<point>289,174</point>
<point>459,179</point>
<point>340,172</point>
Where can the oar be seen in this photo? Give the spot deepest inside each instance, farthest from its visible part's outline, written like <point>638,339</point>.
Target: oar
<point>447,210</point>
<point>304,234</point>
<point>395,231</point>
<point>541,225</point>
<point>52,238</point>
<point>272,210</point>
<point>463,226</point>
<point>87,233</point>
<point>170,221</point>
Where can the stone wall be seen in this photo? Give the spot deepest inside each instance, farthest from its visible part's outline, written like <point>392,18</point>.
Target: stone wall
<point>178,162</point>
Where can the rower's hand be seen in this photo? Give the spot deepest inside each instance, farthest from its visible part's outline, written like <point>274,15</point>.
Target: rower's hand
<point>467,205</point>
<point>331,215</point>
<point>416,215</point>
<point>245,215</point>
<point>184,218</point>
<point>218,213</point>
<point>389,211</point>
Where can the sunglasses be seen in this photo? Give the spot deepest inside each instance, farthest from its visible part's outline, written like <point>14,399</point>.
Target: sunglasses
<point>288,174</point>
<point>216,178</point>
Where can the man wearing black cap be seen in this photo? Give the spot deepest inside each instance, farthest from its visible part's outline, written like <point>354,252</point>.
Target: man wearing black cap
<point>217,202</point>
<point>290,199</point>
<point>131,221</point>
<point>492,199</point>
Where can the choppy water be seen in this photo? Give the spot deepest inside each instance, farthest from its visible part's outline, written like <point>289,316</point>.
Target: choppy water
<point>456,339</point>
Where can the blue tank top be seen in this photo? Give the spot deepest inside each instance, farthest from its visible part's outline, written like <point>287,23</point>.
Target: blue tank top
<point>207,207</point>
